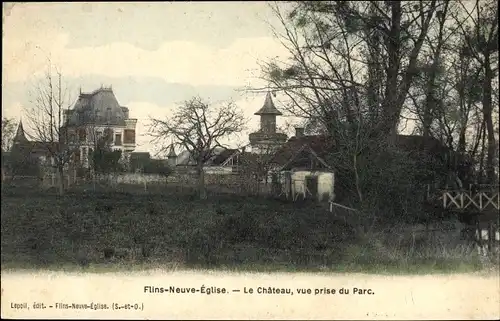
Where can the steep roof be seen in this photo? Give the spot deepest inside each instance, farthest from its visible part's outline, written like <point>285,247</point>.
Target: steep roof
<point>20,136</point>
<point>99,107</point>
<point>320,144</point>
<point>268,108</point>
<point>34,147</point>
<point>171,152</point>
<point>221,157</point>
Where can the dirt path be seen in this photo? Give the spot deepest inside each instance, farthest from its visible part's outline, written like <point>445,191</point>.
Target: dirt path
<point>466,296</point>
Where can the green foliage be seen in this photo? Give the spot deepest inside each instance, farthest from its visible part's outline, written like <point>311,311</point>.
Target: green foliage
<point>247,233</point>
<point>20,163</point>
<point>157,166</point>
<point>171,227</point>
<point>138,161</point>
<point>392,181</point>
<point>105,160</point>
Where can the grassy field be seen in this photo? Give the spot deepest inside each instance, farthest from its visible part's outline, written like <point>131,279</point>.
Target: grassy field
<point>130,229</point>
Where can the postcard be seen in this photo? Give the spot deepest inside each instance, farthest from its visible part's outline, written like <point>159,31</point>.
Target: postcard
<point>250,160</point>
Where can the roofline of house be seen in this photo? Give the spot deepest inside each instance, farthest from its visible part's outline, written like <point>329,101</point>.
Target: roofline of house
<point>236,152</point>
<point>305,146</point>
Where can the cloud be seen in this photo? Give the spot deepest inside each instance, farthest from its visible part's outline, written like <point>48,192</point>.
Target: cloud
<point>178,62</point>
<point>147,25</point>
<point>29,41</point>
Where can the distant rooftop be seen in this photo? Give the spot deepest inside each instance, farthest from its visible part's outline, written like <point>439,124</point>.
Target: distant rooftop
<point>99,107</point>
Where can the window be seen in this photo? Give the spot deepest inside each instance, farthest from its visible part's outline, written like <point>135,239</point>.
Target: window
<point>77,157</point>
<point>82,135</point>
<point>108,115</point>
<point>129,136</point>
<point>118,139</point>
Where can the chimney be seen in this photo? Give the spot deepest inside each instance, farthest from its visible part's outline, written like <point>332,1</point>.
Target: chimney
<point>299,131</point>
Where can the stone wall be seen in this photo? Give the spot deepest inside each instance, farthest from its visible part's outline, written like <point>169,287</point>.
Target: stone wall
<point>236,182</point>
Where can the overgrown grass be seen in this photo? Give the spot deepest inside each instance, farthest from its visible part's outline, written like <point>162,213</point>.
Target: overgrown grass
<point>168,228</point>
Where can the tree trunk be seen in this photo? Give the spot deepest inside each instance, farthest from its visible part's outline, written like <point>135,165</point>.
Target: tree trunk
<point>431,101</point>
<point>463,105</point>
<point>60,170</point>
<point>201,182</point>
<point>374,71</point>
<point>487,111</point>
<point>481,155</point>
<point>358,183</point>
<point>391,111</point>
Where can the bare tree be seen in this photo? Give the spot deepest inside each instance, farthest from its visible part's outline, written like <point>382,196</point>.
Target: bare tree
<point>481,39</point>
<point>199,127</point>
<point>45,114</point>
<point>342,52</point>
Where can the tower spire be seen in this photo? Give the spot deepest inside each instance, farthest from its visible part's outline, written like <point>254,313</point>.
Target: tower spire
<point>171,151</point>
<point>172,156</point>
<point>20,135</point>
<point>268,108</point>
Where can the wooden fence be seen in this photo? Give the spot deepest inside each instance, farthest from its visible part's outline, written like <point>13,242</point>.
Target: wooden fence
<point>479,201</point>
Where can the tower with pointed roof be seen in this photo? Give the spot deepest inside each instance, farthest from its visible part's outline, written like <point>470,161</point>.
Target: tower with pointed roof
<point>20,137</point>
<point>172,156</point>
<point>267,139</point>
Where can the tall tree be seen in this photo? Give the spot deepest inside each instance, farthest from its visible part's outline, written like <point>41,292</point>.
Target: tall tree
<point>342,52</point>
<point>45,115</point>
<point>481,39</point>
<point>199,127</point>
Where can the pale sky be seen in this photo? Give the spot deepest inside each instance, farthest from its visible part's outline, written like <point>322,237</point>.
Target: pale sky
<point>155,55</point>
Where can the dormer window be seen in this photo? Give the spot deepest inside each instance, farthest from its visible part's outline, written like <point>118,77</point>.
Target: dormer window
<point>81,117</point>
<point>108,114</point>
